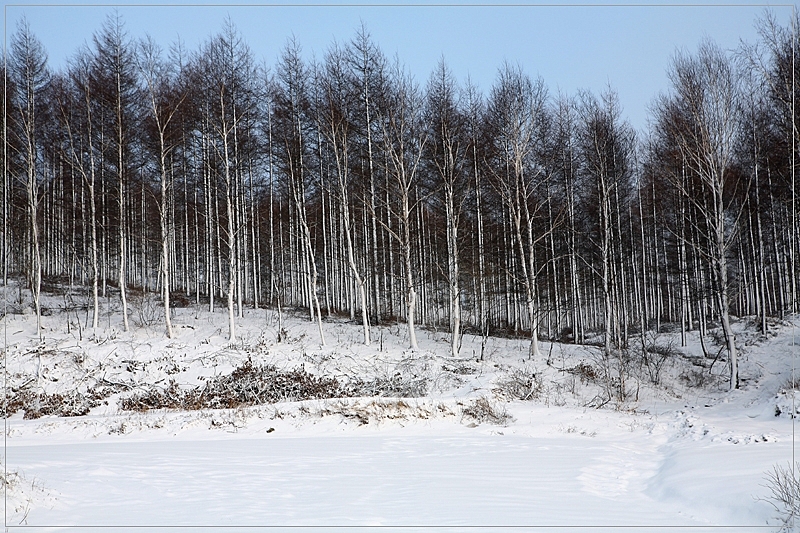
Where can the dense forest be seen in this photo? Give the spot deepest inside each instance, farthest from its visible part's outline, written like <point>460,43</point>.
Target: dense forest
<point>347,188</point>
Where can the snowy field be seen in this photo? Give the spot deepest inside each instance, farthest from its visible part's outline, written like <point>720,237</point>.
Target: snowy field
<point>456,447</point>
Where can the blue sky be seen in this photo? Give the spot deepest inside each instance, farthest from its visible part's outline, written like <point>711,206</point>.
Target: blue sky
<point>571,47</point>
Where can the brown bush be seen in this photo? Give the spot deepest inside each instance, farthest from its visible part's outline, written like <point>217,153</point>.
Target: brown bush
<point>247,385</point>
<point>38,404</point>
<point>586,372</point>
<point>482,410</point>
<point>251,384</point>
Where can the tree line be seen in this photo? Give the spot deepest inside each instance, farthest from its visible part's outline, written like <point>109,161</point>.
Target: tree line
<point>344,187</point>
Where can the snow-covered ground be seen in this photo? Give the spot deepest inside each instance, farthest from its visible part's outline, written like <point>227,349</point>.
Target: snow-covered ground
<point>466,453</point>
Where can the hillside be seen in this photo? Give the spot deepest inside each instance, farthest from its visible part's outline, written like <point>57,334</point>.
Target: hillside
<point>110,428</point>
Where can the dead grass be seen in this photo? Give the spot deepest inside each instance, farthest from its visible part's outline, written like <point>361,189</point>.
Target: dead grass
<point>521,384</point>
<point>378,410</point>
<point>38,404</point>
<point>251,384</point>
<point>247,385</point>
<point>482,410</point>
<point>783,483</point>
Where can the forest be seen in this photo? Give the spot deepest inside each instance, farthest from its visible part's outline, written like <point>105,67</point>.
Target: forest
<point>345,187</point>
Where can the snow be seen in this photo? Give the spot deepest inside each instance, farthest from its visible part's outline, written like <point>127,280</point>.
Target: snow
<point>694,457</point>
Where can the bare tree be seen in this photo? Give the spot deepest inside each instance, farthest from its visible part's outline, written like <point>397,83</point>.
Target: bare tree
<point>517,114</point>
<point>76,118</point>
<point>27,69</point>
<point>292,105</point>
<point>367,65</point>
<point>404,142</point>
<point>702,116</point>
<point>447,148</point>
<point>607,148</point>
<point>164,99</point>
<point>338,113</point>
<point>117,89</point>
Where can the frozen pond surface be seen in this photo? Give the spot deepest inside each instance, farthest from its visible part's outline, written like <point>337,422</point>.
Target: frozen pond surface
<point>427,480</point>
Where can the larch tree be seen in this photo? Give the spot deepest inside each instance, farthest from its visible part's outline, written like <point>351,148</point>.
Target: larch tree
<point>292,108</point>
<point>338,112</point>
<point>473,131</point>
<point>75,110</point>
<point>780,72</point>
<point>567,160</point>
<point>368,68</point>
<point>404,139</point>
<point>29,76</point>
<point>606,145</point>
<point>371,197</point>
<point>164,99</point>
<point>447,156</point>
<point>117,89</point>
<point>223,67</point>
<point>517,116</point>
<point>702,115</point>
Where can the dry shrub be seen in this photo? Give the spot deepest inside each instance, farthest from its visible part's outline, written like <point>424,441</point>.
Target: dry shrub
<point>378,410</point>
<point>784,486</point>
<point>251,384</point>
<point>9,480</point>
<point>655,356</point>
<point>38,404</point>
<point>792,384</point>
<point>247,385</point>
<point>696,378</point>
<point>460,369</point>
<point>69,404</point>
<point>586,372</point>
<point>482,410</point>
<point>396,386</point>
<point>148,308</point>
<point>170,398</point>
<point>522,384</point>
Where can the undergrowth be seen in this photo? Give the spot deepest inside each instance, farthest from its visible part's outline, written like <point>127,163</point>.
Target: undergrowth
<point>36,404</point>
<point>482,410</point>
<point>783,483</point>
<point>252,384</point>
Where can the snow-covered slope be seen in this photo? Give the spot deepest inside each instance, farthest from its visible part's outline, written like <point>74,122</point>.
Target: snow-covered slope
<point>448,443</point>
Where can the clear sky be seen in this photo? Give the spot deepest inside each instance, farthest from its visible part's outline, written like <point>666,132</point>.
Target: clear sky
<point>571,47</point>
